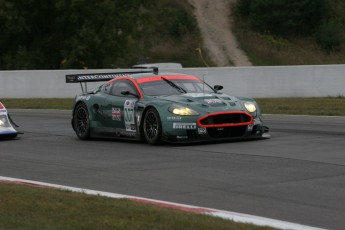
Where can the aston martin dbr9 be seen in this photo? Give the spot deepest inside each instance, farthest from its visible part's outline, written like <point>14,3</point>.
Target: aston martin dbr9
<point>158,107</point>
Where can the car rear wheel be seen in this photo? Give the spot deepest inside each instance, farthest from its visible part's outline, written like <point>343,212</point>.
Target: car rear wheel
<point>152,127</point>
<point>81,121</point>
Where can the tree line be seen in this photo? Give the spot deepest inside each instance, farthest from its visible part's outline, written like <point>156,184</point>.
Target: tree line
<point>320,19</point>
<point>75,34</point>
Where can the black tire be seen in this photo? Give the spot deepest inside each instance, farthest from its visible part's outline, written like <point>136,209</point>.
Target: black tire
<point>152,127</point>
<point>81,121</point>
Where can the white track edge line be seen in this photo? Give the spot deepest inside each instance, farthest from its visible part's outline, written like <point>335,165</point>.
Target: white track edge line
<point>234,216</point>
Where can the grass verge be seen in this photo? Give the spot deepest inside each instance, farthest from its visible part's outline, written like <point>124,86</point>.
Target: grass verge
<point>324,106</point>
<point>39,103</point>
<point>26,207</point>
<point>321,106</point>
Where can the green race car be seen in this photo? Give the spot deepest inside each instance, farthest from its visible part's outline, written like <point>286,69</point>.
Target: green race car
<point>158,107</point>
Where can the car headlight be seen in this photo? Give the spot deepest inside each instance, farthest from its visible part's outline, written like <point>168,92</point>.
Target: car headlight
<point>182,111</point>
<point>250,106</point>
<point>2,123</point>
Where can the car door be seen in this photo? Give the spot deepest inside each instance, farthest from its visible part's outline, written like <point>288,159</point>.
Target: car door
<point>120,111</point>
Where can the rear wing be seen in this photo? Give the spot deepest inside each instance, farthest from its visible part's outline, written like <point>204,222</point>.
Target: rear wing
<point>96,77</point>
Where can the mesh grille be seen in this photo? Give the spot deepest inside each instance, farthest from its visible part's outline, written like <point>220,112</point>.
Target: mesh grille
<point>229,118</point>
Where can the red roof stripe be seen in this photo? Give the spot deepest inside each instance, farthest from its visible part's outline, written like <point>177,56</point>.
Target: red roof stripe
<point>170,77</point>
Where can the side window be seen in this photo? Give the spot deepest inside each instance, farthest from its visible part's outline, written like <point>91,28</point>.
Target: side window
<point>106,88</point>
<point>122,85</point>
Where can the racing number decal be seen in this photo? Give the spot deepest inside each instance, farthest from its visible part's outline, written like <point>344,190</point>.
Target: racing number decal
<point>129,115</point>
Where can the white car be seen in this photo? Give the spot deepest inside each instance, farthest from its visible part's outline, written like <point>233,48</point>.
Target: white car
<point>6,128</point>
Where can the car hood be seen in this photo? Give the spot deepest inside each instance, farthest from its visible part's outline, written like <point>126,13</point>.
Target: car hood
<point>203,101</point>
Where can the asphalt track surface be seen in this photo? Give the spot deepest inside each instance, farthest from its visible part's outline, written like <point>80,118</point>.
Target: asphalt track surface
<point>298,175</point>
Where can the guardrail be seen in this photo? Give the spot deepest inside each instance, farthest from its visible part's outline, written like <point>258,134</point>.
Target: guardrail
<point>257,82</point>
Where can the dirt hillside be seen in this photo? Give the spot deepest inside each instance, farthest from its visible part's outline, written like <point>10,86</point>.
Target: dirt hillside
<point>214,20</point>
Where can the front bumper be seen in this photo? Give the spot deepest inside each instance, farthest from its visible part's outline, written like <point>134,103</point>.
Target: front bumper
<point>199,132</point>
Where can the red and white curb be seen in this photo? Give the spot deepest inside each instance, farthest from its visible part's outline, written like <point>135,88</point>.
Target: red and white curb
<point>234,216</point>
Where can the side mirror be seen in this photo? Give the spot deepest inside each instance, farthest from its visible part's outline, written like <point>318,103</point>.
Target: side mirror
<point>218,87</point>
<point>126,93</point>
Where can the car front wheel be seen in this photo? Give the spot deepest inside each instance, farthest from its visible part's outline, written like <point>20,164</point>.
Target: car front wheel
<point>152,127</point>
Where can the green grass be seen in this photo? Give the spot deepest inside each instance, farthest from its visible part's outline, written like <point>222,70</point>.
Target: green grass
<point>26,207</point>
<point>39,103</point>
<point>324,106</point>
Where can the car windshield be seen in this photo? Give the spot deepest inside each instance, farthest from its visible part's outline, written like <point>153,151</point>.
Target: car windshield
<point>175,87</point>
